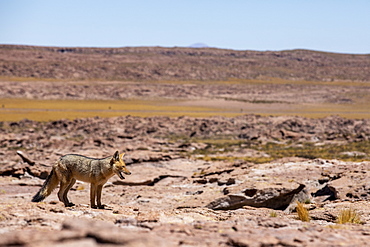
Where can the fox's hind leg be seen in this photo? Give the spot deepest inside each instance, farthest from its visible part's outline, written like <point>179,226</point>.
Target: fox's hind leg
<point>63,190</point>
<point>65,198</point>
<point>62,186</point>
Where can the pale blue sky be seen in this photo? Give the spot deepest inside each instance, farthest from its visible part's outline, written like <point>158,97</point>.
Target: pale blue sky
<point>326,25</point>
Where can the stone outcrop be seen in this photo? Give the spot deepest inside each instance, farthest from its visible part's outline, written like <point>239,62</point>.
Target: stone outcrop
<point>270,197</point>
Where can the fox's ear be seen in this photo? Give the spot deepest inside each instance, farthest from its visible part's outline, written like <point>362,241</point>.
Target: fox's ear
<point>116,156</point>
<point>122,154</point>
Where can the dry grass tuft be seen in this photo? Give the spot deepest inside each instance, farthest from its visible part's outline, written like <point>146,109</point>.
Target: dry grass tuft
<point>348,216</point>
<point>273,214</point>
<point>302,211</point>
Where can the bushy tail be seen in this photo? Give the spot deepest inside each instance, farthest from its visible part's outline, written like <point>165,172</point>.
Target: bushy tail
<point>49,185</point>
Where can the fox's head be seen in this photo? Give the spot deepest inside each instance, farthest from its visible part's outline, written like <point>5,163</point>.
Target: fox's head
<point>118,165</point>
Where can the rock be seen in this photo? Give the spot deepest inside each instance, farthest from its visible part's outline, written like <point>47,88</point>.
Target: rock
<point>201,181</point>
<point>25,158</point>
<point>351,187</point>
<point>39,170</point>
<point>275,198</point>
<point>147,156</point>
<point>325,193</point>
<point>303,196</point>
<point>26,237</point>
<point>229,181</point>
<point>236,239</point>
<point>354,154</point>
<point>15,170</point>
<point>105,233</point>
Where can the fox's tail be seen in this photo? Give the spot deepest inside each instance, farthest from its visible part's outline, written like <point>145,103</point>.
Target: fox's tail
<point>49,185</point>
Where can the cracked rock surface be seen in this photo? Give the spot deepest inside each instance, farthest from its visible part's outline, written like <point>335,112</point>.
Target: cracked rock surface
<point>176,198</point>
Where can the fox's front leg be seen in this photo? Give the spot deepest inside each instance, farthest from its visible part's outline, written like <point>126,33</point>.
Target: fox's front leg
<point>93,190</point>
<point>98,195</point>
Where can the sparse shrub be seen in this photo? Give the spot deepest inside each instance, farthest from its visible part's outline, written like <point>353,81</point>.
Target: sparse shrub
<point>273,214</point>
<point>348,216</point>
<point>307,201</point>
<point>302,211</point>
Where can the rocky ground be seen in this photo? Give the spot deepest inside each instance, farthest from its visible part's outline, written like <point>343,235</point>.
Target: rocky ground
<point>206,181</point>
<point>289,93</point>
<point>181,193</point>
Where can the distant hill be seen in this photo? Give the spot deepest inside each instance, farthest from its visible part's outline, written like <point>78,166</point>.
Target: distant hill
<point>157,63</point>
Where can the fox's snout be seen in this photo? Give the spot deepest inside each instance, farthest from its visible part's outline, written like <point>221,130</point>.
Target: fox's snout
<point>125,170</point>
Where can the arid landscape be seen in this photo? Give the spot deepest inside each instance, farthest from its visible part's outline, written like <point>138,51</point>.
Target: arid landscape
<point>226,148</point>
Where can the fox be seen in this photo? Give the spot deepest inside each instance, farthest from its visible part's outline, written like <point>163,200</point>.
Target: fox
<point>72,167</point>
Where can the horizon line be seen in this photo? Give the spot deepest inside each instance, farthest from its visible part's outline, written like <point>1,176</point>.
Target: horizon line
<point>175,46</point>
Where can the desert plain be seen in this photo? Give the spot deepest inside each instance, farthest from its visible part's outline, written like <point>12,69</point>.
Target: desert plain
<point>226,148</point>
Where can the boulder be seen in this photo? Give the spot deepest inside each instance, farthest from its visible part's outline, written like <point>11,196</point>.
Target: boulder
<point>279,197</point>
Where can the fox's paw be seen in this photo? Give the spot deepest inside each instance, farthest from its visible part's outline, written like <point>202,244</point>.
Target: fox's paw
<point>70,204</point>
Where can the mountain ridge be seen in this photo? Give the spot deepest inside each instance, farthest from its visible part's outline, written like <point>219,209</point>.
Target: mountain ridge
<point>179,63</point>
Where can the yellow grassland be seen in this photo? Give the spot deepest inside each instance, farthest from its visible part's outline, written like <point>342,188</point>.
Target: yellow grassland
<point>44,110</point>
<point>14,109</point>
